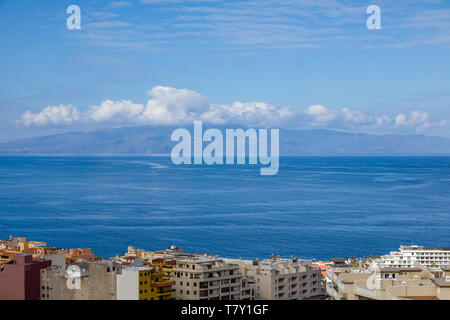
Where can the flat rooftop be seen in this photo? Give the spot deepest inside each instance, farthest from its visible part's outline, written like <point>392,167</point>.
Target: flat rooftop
<point>425,248</point>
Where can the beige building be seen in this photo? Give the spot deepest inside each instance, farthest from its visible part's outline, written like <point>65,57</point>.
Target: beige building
<point>209,278</point>
<point>172,252</point>
<point>386,284</point>
<point>97,281</point>
<point>281,279</point>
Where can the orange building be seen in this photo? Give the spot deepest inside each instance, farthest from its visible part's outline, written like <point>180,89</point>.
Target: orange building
<point>39,252</point>
<point>323,266</point>
<point>78,255</point>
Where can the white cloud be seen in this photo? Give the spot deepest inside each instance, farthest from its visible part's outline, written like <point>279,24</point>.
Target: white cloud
<point>400,120</point>
<point>171,106</point>
<point>320,114</point>
<point>416,119</point>
<point>247,113</point>
<point>51,115</point>
<point>110,110</point>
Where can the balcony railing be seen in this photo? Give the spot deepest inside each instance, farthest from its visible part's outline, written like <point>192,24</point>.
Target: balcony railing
<point>366,291</point>
<point>165,293</point>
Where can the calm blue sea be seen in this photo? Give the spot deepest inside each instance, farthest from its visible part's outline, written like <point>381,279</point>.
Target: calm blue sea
<point>316,207</point>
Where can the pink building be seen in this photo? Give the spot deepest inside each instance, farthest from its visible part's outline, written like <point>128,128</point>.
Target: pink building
<point>20,279</point>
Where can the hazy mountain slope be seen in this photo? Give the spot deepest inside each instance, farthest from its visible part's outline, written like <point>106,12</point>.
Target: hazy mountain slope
<point>156,140</point>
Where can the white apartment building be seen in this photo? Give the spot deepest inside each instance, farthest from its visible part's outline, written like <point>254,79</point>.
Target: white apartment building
<point>281,279</point>
<point>409,256</point>
<point>128,282</point>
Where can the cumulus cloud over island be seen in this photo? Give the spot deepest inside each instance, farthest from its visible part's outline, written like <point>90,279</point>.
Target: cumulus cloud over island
<point>171,106</point>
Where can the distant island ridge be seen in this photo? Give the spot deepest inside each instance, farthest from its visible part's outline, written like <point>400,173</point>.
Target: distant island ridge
<point>155,140</point>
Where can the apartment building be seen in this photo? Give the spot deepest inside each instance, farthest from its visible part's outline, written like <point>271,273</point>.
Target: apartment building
<point>143,283</point>
<point>164,265</point>
<point>20,278</point>
<point>97,281</point>
<point>281,279</point>
<point>409,256</point>
<point>210,278</point>
<point>386,284</point>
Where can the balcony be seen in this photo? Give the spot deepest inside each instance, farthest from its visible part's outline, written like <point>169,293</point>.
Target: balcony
<point>203,293</point>
<point>370,293</point>
<point>332,292</point>
<point>163,284</point>
<point>165,293</point>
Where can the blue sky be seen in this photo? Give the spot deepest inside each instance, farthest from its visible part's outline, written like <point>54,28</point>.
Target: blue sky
<point>288,63</point>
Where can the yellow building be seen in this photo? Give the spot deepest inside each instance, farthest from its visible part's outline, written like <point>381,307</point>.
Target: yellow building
<point>161,287</point>
<point>164,265</point>
<point>6,256</point>
<point>145,282</point>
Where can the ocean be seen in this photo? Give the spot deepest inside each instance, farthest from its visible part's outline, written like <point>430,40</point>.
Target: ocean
<point>315,208</point>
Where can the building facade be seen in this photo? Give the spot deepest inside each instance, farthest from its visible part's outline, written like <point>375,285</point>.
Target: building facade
<point>95,281</point>
<point>210,278</point>
<point>410,256</point>
<point>386,284</point>
<point>143,283</point>
<point>281,279</point>
<point>20,278</point>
